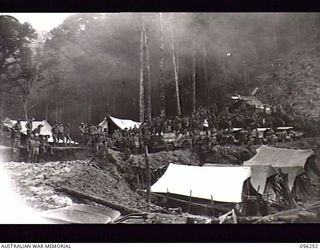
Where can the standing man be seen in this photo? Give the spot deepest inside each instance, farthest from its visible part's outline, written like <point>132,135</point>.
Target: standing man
<point>16,139</point>
<point>17,127</point>
<point>36,149</point>
<point>61,133</point>
<point>67,134</point>
<point>37,130</point>
<point>54,134</point>
<point>29,126</point>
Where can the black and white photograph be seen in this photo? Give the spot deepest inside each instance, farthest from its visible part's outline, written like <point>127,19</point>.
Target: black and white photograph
<point>160,118</point>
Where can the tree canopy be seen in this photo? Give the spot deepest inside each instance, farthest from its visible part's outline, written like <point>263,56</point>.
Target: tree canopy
<point>89,65</point>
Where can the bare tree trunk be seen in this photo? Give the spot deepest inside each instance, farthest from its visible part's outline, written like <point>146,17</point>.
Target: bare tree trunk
<point>114,110</point>
<point>25,107</point>
<point>162,93</point>
<point>89,111</point>
<point>141,83</point>
<point>245,76</point>
<point>57,113</point>
<point>60,113</point>
<point>1,106</point>
<point>206,75</point>
<point>176,73</point>
<point>47,112</point>
<point>194,74</point>
<point>148,81</point>
<point>274,36</point>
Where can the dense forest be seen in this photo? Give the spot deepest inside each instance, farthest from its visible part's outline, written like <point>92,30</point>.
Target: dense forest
<point>169,63</point>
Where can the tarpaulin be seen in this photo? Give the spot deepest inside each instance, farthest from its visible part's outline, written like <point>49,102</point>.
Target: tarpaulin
<point>223,184</point>
<point>279,157</point>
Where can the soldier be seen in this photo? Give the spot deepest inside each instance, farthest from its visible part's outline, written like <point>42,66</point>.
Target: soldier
<point>158,126</point>
<point>29,126</point>
<point>61,133</point>
<point>48,148</point>
<point>36,149</point>
<point>37,130</point>
<point>67,134</point>
<point>30,143</point>
<point>55,132</point>
<point>17,127</point>
<point>16,134</point>
<point>135,129</point>
<point>205,126</point>
<point>43,149</point>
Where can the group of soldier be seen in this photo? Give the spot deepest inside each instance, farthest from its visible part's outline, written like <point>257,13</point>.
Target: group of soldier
<point>206,127</point>
<point>96,137</point>
<point>34,142</point>
<point>61,134</point>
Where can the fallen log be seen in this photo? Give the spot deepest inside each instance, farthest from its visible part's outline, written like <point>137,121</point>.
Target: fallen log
<point>307,217</point>
<point>81,195</point>
<point>273,217</point>
<point>293,215</point>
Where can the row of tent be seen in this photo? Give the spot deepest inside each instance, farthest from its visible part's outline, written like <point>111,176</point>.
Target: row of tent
<point>45,130</point>
<point>231,183</point>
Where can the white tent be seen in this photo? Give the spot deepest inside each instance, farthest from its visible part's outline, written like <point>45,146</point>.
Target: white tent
<point>45,130</point>
<point>223,184</point>
<point>120,123</point>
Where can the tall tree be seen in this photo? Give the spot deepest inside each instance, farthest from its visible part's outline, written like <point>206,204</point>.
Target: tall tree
<point>162,92</point>
<point>175,68</point>
<point>194,79</point>
<point>14,54</point>
<point>148,76</point>
<point>29,74</point>
<point>141,82</point>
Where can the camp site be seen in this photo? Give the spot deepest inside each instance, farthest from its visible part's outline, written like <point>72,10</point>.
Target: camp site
<point>160,118</point>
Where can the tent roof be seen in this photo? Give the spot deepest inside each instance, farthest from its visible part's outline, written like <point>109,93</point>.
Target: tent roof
<point>223,184</point>
<point>279,157</point>
<point>253,100</point>
<point>284,128</point>
<point>45,130</point>
<point>259,174</point>
<point>121,123</point>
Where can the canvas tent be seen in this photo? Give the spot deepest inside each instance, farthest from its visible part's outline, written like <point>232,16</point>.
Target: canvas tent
<point>45,130</point>
<point>266,188</point>
<point>259,175</point>
<point>293,163</point>
<point>222,184</point>
<point>251,100</point>
<point>113,123</point>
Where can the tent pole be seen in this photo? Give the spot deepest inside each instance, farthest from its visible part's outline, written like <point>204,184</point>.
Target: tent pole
<point>189,207</point>
<point>212,205</point>
<point>148,177</point>
<point>167,196</point>
<point>138,181</point>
